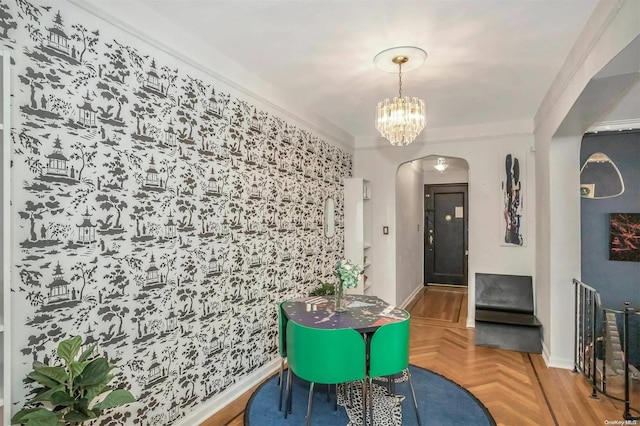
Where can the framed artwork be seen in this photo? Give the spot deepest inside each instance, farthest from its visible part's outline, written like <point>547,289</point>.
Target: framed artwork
<point>512,186</point>
<point>624,237</point>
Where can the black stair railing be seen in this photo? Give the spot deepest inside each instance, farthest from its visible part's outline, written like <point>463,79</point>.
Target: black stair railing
<point>600,352</point>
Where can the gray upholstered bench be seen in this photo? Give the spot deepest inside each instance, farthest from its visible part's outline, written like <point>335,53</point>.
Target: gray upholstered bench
<point>504,313</point>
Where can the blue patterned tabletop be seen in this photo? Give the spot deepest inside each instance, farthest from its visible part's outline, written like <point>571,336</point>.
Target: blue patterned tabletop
<point>364,313</point>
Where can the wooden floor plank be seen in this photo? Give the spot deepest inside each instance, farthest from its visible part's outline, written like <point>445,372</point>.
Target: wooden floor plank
<point>517,388</point>
<point>438,303</point>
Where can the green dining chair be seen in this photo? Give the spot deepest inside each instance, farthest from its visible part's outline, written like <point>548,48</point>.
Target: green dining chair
<point>325,356</point>
<point>389,355</point>
<point>282,348</point>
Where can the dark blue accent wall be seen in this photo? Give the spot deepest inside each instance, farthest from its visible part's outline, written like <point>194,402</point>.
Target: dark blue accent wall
<point>616,281</point>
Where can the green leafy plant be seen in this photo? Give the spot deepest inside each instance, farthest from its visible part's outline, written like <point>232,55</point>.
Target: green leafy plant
<point>324,289</point>
<point>348,273</point>
<point>71,393</point>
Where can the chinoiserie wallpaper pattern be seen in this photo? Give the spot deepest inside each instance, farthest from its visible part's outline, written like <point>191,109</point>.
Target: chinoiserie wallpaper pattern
<point>156,212</point>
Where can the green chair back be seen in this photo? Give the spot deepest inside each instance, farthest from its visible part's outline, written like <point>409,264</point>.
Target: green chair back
<point>389,354</point>
<point>325,356</point>
<point>282,328</point>
<point>389,349</point>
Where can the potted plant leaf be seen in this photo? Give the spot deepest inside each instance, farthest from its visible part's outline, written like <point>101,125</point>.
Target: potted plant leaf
<point>71,393</point>
<point>323,289</point>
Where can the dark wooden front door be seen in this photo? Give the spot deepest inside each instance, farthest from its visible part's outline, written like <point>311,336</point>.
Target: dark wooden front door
<point>445,245</point>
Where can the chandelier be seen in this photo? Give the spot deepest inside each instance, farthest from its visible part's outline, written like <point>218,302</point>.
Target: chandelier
<point>441,165</point>
<point>402,119</point>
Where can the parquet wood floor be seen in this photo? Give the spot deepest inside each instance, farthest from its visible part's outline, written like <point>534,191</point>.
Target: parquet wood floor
<point>517,388</point>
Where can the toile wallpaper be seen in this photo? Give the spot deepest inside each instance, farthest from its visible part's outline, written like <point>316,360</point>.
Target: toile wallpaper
<point>155,211</point>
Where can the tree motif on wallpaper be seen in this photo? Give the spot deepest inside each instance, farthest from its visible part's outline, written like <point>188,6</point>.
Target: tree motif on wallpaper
<point>160,213</point>
<point>6,21</point>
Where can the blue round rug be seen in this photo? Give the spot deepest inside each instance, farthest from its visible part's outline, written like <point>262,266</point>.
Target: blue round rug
<point>440,402</point>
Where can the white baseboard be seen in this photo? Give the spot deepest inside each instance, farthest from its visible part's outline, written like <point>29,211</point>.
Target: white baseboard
<point>411,296</point>
<point>555,362</point>
<point>217,403</point>
<point>545,354</point>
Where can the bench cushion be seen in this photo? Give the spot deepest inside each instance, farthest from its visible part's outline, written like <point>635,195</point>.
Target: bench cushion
<point>502,317</point>
<point>504,313</point>
<point>512,293</point>
<point>509,336</point>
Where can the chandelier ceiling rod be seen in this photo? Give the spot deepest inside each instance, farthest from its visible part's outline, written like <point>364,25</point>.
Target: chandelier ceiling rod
<point>400,60</point>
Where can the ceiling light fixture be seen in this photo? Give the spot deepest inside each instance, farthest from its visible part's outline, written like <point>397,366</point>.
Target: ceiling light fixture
<point>400,120</point>
<point>441,165</point>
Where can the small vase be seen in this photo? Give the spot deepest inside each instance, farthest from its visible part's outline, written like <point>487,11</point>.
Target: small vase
<point>339,298</point>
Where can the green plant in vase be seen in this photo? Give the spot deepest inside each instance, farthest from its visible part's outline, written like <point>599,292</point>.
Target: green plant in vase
<point>71,393</point>
<point>348,274</point>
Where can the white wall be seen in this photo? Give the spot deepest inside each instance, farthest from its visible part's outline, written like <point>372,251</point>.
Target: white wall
<point>613,25</point>
<point>564,175</point>
<point>449,176</point>
<point>409,236</point>
<point>484,151</point>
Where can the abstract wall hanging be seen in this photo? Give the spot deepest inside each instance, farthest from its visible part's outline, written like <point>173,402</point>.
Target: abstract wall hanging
<point>624,237</point>
<point>512,191</point>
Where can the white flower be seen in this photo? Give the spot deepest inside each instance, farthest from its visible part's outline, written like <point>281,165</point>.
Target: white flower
<point>348,273</point>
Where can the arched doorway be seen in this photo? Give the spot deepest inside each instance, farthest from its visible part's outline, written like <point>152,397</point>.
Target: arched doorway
<point>446,210</point>
<point>558,138</point>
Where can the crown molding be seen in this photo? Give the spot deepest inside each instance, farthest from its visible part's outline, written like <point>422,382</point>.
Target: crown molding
<point>155,35</point>
<point>603,15</point>
<point>614,126</point>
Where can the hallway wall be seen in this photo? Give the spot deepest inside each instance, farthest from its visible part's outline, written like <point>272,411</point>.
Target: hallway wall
<point>409,238</point>
<point>485,153</point>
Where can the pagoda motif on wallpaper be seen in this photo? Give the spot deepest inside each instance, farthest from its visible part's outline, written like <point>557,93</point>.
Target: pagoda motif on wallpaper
<point>156,209</point>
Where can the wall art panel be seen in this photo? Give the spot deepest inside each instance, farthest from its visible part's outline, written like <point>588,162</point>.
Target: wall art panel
<point>513,189</point>
<point>156,212</point>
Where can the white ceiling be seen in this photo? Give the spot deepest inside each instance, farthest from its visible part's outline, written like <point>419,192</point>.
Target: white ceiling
<point>625,111</point>
<point>488,60</point>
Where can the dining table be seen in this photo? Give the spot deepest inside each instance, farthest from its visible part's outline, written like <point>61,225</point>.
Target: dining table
<point>363,313</point>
